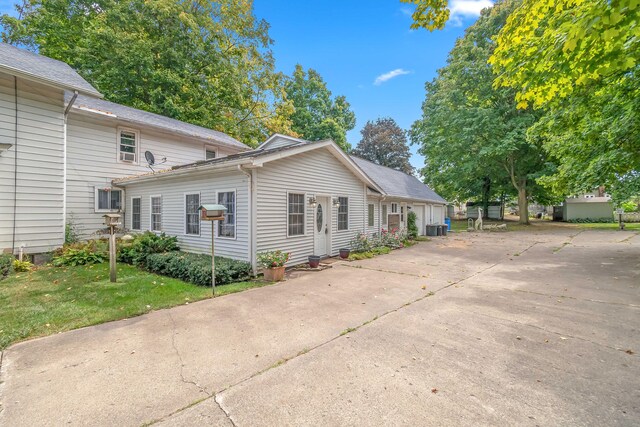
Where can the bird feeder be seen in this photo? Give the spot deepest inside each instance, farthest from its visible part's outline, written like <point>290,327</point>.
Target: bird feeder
<point>212,213</point>
<point>112,220</point>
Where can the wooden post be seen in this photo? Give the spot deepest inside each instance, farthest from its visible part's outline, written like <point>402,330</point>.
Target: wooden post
<point>213,259</point>
<point>112,255</point>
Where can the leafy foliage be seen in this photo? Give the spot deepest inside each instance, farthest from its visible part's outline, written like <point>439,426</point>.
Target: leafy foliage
<point>412,228</point>
<point>137,250</point>
<point>21,266</point>
<point>207,63</point>
<point>196,268</point>
<point>393,239</point>
<point>316,114</point>
<point>6,265</point>
<point>271,259</point>
<point>590,220</point>
<point>472,135</point>
<point>75,257</point>
<point>71,232</point>
<point>369,254</point>
<point>429,14</point>
<point>385,143</point>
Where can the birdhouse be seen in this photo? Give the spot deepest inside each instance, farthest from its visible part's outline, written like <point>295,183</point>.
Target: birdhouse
<point>212,212</point>
<point>112,219</point>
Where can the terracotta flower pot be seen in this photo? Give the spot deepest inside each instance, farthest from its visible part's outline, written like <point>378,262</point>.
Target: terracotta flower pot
<point>344,253</point>
<point>314,261</point>
<point>274,274</point>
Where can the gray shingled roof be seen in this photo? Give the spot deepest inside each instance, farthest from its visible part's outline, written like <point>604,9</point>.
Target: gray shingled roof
<point>43,69</point>
<point>141,117</point>
<point>396,183</point>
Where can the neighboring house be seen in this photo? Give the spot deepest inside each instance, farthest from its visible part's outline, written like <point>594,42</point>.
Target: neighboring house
<point>307,198</point>
<point>587,206</point>
<point>61,145</point>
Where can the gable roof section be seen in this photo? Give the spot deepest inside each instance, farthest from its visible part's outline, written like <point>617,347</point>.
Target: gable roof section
<point>279,140</point>
<point>253,158</point>
<point>398,184</point>
<point>34,67</point>
<point>145,118</point>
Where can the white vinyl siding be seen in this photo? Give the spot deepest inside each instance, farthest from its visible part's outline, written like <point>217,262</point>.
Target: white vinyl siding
<point>39,199</point>
<point>156,213</point>
<point>227,227</point>
<point>136,213</point>
<point>128,145</point>
<point>173,210</point>
<point>317,172</point>
<point>191,214</point>
<point>92,147</point>
<point>295,215</point>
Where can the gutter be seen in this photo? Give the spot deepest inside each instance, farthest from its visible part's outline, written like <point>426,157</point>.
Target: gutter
<point>251,210</point>
<point>15,164</point>
<point>64,161</point>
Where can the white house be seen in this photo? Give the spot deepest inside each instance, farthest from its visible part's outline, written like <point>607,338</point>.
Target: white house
<point>307,198</point>
<point>67,156</point>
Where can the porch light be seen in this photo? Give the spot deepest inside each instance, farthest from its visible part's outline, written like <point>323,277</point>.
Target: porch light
<point>312,201</point>
<point>336,202</point>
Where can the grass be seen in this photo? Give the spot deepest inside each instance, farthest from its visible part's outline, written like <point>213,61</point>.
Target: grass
<point>49,300</point>
<point>608,225</point>
<point>356,256</point>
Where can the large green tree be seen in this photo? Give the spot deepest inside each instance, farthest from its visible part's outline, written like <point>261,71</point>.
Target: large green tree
<point>318,115</point>
<point>385,143</point>
<point>207,63</point>
<point>471,134</point>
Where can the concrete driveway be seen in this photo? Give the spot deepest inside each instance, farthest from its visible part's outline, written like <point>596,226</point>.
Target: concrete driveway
<point>534,328</point>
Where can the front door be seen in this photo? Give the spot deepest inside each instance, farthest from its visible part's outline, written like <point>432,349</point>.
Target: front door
<point>321,227</point>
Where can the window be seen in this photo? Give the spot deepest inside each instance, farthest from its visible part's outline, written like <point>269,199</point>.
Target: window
<point>370,215</point>
<point>156,213</point>
<point>210,153</point>
<point>384,214</point>
<point>394,208</point>
<point>108,199</point>
<point>343,213</point>
<point>128,146</point>
<point>296,215</point>
<point>136,213</point>
<point>192,219</point>
<point>227,227</point>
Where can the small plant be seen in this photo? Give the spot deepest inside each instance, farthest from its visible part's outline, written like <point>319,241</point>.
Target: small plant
<point>73,257</point>
<point>71,234</point>
<point>273,259</point>
<point>6,265</point>
<point>21,266</point>
<point>361,243</point>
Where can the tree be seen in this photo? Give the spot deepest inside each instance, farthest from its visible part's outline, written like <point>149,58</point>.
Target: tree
<point>207,63</point>
<point>471,134</point>
<point>317,115</point>
<point>385,143</point>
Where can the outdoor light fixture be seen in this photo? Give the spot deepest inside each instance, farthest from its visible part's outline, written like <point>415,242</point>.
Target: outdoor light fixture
<point>312,201</point>
<point>336,202</point>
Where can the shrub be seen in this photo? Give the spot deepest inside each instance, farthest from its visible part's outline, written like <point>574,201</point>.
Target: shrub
<point>361,242</point>
<point>21,266</point>
<point>412,228</point>
<point>369,254</point>
<point>6,265</point>
<point>142,245</point>
<point>196,268</point>
<point>70,232</point>
<point>590,220</point>
<point>73,257</point>
<point>271,259</point>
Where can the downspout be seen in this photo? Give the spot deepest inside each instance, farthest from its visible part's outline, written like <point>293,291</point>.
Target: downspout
<point>64,163</point>
<point>250,219</point>
<point>15,164</point>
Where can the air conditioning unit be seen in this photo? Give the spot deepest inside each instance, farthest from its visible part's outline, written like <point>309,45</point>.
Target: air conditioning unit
<point>127,157</point>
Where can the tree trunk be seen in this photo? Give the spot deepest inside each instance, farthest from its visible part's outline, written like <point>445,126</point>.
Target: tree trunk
<point>486,192</point>
<point>523,206</point>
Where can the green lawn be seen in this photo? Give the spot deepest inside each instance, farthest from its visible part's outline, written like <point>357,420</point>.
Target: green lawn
<point>537,224</point>
<point>608,225</point>
<point>50,300</point>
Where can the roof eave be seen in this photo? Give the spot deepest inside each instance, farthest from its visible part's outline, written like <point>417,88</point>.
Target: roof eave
<point>48,82</point>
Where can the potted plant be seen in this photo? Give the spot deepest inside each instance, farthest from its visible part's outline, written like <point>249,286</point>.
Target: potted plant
<point>272,263</point>
<point>344,253</point>
<point>314,261</point>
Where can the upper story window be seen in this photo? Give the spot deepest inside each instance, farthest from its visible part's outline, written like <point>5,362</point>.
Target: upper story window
<point>128,141</point>
<point>343,213</point>
<point>295,218</point>
<point>227,227</point>
<point>210,152</point>
<point>108,199</point>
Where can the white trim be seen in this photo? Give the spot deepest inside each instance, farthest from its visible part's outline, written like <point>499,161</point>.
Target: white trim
<point>304,214</point>
<point>136,132</point>
<point>111,188</point>
<point>235,213</point>
<point>210,147</point>
<point>139,198</point>
<point>153,196</point>
<point>184,213</point>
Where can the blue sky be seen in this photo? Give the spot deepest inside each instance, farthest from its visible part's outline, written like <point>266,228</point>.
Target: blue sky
<point>364,50</point>
<point>351,43</point>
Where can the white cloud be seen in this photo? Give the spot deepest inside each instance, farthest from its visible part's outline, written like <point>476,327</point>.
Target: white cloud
<point>406,11</point>
<point>390,75</point>
<point>465,8</point>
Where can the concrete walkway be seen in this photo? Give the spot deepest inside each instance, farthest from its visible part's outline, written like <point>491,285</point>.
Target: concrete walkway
<point>535,328</point>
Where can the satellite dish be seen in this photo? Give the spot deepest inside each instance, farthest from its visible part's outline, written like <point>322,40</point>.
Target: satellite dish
<point>150,158</point>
